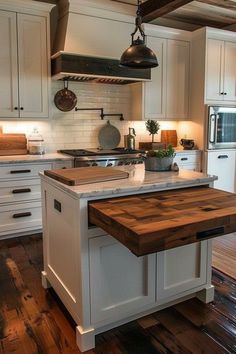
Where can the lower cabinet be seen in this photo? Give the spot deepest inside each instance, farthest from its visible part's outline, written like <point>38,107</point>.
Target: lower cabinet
<point>181,269</point>
<point>120,283</point>
<point>20,196</point>
<point>222,164</point>
<point>189,160</point>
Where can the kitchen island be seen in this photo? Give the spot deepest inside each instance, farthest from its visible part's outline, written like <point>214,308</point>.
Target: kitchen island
<point>100,281</point>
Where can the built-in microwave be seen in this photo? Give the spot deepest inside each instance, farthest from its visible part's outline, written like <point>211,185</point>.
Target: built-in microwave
<point>221,127</point>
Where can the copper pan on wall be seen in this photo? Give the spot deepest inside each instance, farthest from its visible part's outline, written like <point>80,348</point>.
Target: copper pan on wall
<point>65,100</point>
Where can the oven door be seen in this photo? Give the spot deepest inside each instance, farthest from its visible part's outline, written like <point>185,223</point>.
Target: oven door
<point>221,127</point>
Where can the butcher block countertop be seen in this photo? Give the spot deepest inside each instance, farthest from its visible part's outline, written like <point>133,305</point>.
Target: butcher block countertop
<point>153,222</point>
<point>139,181</point>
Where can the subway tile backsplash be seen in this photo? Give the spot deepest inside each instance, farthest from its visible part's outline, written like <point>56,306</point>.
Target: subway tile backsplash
<point>80,129</point>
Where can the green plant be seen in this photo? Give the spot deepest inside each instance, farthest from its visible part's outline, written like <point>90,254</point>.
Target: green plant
<point>152,127</point>
<point>169,152</point>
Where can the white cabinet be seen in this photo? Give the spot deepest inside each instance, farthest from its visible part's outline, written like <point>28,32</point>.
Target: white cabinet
<point>221,71</point>
<point>120,283</point>
<point>155,90</point>
<point>189,160</point>
<point>223,164</point>
<point>166,96</point>
<point>181,269</point>
<point>177,96</point>
<point>24,65</point>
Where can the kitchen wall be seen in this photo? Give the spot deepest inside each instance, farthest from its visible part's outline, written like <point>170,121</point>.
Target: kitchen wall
<point>80,129</point>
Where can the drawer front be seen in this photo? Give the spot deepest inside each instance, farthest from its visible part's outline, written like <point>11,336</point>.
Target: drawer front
<point>20,191</point>
<point>21,217</point>
<point>183,159</point>
<point>20,171</point>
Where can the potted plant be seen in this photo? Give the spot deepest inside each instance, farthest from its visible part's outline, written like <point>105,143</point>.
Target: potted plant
<point>153,128</point>
<point>159,160</point>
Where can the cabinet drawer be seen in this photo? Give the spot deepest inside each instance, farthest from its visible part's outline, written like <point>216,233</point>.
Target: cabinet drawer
<point>20,217</point>
<point>182,158</point>
<point>17,191</point>
<point>22,170</point>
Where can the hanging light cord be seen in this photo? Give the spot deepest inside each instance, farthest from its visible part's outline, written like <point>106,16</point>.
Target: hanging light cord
<point>138,25</point>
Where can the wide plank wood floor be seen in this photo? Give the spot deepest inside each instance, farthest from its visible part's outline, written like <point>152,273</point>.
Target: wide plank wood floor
<point>224,254</point>
<point>33,321</point>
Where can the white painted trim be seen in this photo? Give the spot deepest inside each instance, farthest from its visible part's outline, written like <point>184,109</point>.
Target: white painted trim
<point>27,6</point>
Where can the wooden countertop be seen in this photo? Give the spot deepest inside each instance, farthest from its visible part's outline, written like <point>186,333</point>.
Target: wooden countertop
<point>159,221</point>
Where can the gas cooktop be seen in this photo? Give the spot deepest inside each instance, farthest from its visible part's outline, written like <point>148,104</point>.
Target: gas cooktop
<point>101,152</point>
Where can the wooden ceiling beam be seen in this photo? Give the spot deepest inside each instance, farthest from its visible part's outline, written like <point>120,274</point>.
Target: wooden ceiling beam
<point>152,9</point>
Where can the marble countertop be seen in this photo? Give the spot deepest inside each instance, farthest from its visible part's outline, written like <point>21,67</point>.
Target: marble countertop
<point>139,180</point>
<point>34,158</point>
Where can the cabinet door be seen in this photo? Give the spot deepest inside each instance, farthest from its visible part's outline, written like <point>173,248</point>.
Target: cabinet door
<point>222,164</point>
<point>120,282</point>
<point>8,65</point>
<point>178,58</point>
<point>215,70</point>
<point>33,76</point>
<point>230,72</point>
<point>155,91</point>
<point>181,269</point>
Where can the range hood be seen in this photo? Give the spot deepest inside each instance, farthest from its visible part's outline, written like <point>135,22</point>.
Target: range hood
<point>80,68</point>
<point>73,57</point>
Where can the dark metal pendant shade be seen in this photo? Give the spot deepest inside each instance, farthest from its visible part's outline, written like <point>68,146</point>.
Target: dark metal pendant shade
<point>138,55</point>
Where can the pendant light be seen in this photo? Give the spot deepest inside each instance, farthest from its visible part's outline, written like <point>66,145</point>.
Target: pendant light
<point>138,55</point>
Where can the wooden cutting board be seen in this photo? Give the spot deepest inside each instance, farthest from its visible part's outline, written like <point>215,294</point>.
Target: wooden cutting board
<point>85,175</point>
<point>154,222</point>
<point>13,144</point>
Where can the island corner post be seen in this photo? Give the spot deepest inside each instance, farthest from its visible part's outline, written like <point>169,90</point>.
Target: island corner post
<point>103,283</point>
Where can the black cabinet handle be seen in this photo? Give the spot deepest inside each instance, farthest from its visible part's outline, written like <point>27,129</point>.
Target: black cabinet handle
<point>210,233</point>
<point>184,158</point>
<point>21,215</point>
<point>20,171</point>
<point>16,108</point>
<point>22,108</point>
<point>22,190</point>
<point>225,93</point>
<point>221,93</point>
<point>223,157</point>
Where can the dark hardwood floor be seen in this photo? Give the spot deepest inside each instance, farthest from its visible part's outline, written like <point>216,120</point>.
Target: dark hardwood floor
<point>33,321</point>
<point>224,254</point>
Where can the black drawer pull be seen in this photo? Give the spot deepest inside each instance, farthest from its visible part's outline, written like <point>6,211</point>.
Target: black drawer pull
<point>22,190</point>
<point>21,215</point>
<point>184,158</point>
<point>210,233</point>
<point>20,171</point>
<point>223,157</point>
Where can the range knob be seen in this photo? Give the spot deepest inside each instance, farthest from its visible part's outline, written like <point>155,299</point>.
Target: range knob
<point>134,162</point>
<point>140,162</point>
<point>94,164</point>
<point>127,163</point>
<point>109,164</point>
<point>120,163</point>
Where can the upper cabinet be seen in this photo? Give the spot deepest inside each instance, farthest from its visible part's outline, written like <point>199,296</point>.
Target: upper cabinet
<point>177,79</point>
<point>24,66</point>
<point>154,92</point>
<point>220,71</point>
<point>166,96</point>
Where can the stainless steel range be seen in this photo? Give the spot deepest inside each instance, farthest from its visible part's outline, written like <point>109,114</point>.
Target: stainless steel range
<point>105,158</point>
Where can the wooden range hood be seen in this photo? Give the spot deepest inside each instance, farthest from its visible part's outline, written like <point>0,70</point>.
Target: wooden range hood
<point>154,222</point>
